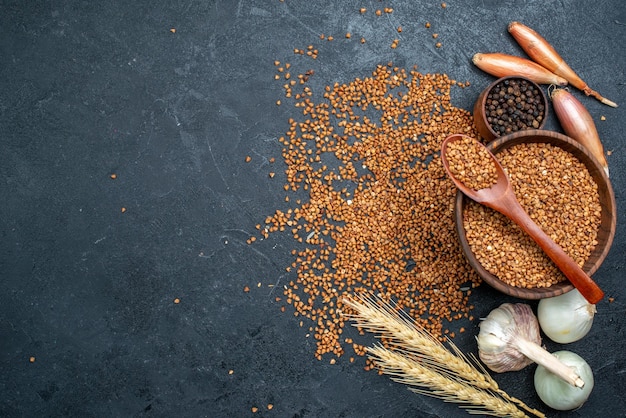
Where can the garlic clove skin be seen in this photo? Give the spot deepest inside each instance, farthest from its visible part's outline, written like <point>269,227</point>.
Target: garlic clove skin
<point>558,394</point>
<point>508,359</point>
<point>566,318</point>
<point>499,333</point>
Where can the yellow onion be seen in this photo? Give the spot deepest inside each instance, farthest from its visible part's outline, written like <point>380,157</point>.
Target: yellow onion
<point>544,54</point>
<point>503,65</point>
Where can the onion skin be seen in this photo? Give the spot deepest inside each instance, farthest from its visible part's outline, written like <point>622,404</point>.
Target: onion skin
<point>503,65</point>
<point>540,51</point>
<point>565,318</point>
<point>558,394</point>
<point>578,124</point>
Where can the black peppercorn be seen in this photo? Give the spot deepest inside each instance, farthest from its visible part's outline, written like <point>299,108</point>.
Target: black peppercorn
<point>513,105</point>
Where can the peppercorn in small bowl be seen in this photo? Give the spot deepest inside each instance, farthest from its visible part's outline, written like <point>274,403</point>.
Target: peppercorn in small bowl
<point>509,105</point>
<point>566,192</point>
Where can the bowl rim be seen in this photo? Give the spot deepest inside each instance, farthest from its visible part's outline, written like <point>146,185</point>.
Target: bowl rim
<point>608,206</point>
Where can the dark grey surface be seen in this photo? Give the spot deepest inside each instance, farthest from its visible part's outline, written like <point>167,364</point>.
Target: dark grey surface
<point>93,88</point>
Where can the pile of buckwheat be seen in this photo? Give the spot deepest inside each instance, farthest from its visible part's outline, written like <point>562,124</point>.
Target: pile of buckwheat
<point>379,214</point>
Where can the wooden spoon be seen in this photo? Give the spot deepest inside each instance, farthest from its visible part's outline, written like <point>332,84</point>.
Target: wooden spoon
<point>501,198</point>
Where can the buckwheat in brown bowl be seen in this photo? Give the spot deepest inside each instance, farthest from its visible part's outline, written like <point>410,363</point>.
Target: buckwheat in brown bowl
<point>566,192</point>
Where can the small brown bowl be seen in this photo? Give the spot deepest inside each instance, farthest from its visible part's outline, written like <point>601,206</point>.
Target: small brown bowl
<point>480,109</point>
<point>608,222</point>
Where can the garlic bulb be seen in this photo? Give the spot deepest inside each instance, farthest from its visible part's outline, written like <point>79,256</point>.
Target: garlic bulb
<point>557,394</point>
<point>506,323</point>
<point>509,340</point>
<point>566,318</point>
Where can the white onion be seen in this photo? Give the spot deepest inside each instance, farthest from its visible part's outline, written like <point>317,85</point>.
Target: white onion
<point>565,318</point>
<point>558,394</point>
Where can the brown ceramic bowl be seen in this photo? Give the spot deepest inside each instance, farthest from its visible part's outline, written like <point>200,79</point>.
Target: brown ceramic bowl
<point>606,232</point>
<point>480,113</point>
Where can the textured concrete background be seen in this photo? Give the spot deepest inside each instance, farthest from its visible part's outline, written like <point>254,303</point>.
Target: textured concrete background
<point>88,89</point>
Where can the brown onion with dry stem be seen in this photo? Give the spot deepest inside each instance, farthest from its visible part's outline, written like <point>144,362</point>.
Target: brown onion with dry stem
<point>540,51</point>
<point>504,65</point>
<point>577,123</point>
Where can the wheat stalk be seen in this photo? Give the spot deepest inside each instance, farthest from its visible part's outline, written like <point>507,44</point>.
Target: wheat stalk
<point>424,353</point>
<point>410,372</point>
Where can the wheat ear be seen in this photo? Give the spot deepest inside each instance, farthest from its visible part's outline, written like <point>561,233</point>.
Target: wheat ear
<point>412,373</point>
<point>416,343</point>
